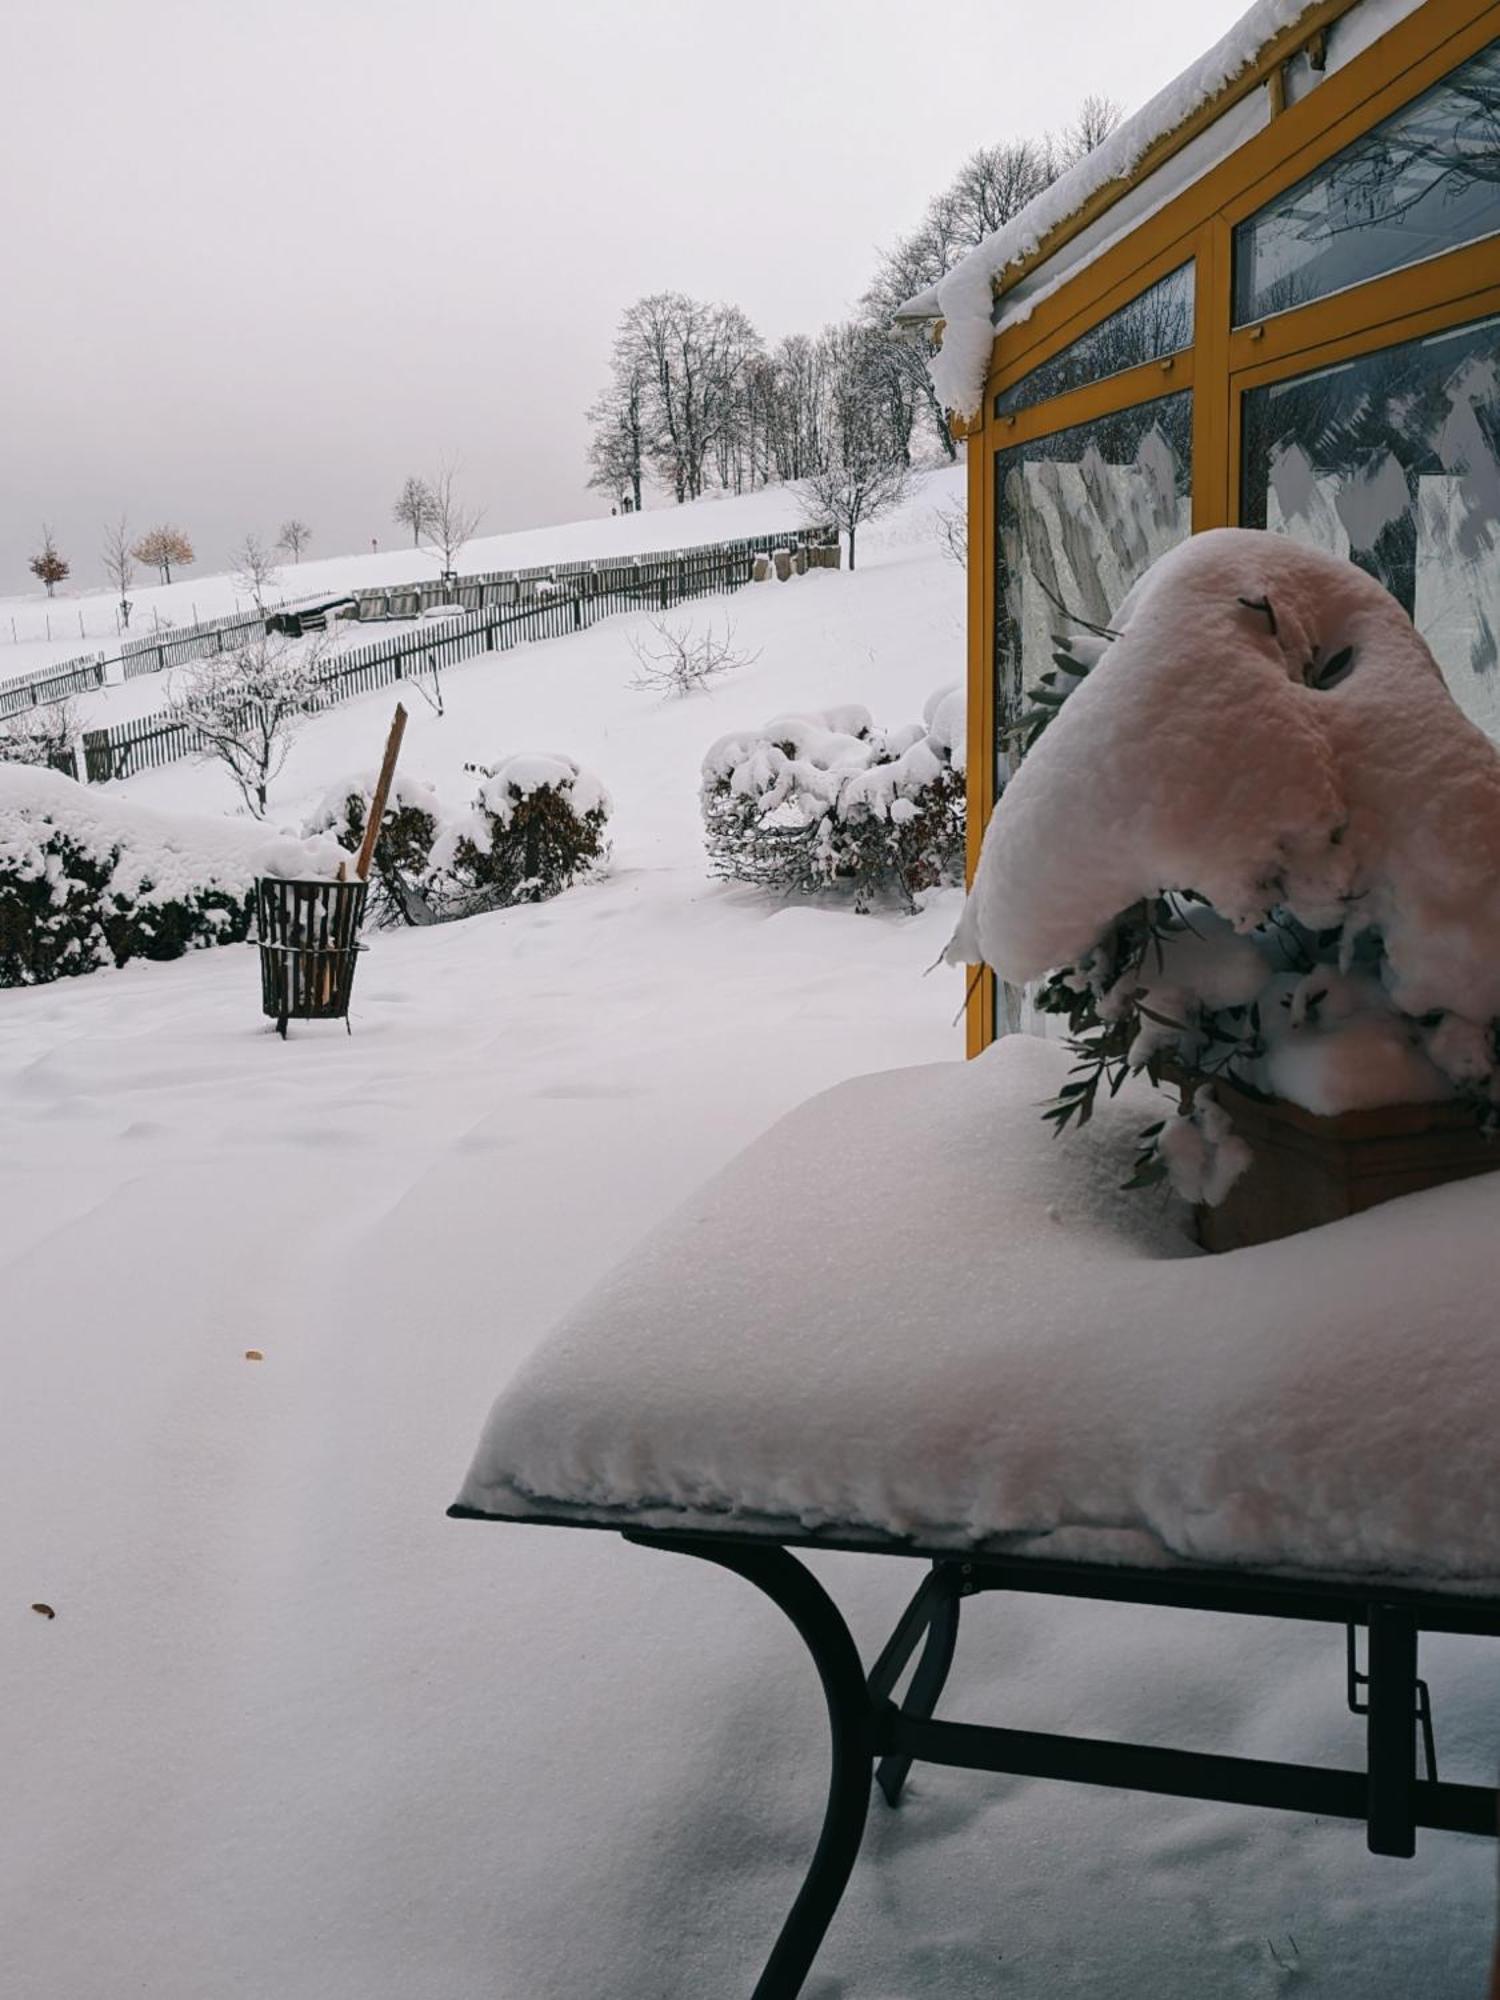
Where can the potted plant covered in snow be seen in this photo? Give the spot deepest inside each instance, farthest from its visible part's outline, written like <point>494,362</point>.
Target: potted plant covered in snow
<point>1254,848</point>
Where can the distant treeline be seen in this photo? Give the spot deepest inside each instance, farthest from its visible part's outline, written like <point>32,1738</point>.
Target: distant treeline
<point>696,400</point>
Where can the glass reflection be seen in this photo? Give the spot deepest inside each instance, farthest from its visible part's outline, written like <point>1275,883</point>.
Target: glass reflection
<point>1079,515</point>
<point>1426,180</point>
<point>1158,323</point>
<point>1394,461</point>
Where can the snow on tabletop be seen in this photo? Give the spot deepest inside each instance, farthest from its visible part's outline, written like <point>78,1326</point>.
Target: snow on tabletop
<point>161,855</point>
<point>1269,732</point>
<point>909,1311</point>
<point>964,298</point>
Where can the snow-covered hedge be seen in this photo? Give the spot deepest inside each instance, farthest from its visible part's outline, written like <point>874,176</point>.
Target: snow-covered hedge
<point>1258,839</point>
<point>818,801</point>
<point>89,880</point>
<point>535,825</point>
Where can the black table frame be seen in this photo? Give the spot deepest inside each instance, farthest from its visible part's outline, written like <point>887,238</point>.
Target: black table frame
<point>869,1728</point>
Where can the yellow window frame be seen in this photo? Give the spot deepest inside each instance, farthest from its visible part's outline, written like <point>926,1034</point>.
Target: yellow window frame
<point>1224,361</point>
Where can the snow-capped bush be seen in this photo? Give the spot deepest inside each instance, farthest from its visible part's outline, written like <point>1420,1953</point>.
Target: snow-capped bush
<point>811,802</point>
<point>537,824</point>
<point>409,830</point>
<point>44,735</point>
<point>88,880</point>
<point>1258,839</point>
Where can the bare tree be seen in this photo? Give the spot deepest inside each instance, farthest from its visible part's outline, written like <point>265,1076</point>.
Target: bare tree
<point>119,565</point>
<point>951,528</point>
<point>254,569</point>
<point>294,538</point>
<point>246,707</point>
<point>617,448</point>
<point>411,508</point>
<point>448,523</point>
<point>47,564</point>
<point>163,546</point>
<point>679,659</point>
<point>863,473</point>
<point>1089,127</point>
<point>993,185</point>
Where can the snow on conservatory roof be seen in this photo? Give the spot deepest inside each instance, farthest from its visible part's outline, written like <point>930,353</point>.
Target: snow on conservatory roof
<point>965,298</point>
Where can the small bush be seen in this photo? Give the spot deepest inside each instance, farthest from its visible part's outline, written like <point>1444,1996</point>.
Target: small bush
<point>43,735</point>
<point>538,823</point>
<point>401,868</point>
<point>813,802</point>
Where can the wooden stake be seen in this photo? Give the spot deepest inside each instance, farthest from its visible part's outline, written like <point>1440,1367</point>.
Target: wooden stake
<point>382,792</point>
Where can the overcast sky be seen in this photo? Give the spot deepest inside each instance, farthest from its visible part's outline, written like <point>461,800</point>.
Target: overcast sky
<point>267,258</point>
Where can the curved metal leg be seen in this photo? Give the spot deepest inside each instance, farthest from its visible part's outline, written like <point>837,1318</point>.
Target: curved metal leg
<point>826,1636</point>
<point>922,1695</point>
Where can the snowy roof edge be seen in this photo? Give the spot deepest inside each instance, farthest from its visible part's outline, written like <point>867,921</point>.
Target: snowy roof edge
<point>964,296</point>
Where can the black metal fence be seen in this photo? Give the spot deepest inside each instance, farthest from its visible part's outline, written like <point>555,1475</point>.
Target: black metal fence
<point>154,740</point>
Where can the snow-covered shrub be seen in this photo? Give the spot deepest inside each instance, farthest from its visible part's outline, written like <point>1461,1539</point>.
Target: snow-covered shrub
<point>1258,840</point>
<point>44,735</point>
<point>811,802</point>
<point>409,829</point>
<point>537,824</point>
<point>88,879</point>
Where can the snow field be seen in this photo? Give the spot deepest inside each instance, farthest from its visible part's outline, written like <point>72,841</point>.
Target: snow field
<point>209,594</point>
<point>292,1734</point>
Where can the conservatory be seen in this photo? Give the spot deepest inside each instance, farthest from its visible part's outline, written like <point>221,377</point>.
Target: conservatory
<point>1271,299</point>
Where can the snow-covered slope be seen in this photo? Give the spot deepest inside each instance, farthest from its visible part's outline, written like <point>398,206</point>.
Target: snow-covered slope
<point>36,631</point>
<point>293,1735</point>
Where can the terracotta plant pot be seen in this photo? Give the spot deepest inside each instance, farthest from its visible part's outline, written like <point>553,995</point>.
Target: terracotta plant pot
<point>1309,1170</point>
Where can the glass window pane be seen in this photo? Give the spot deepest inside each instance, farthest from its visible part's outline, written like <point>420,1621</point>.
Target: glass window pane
<point>1394,461</point>
<point>1426,180</point>
<point>1078,516</point>
<point>1158,323</point>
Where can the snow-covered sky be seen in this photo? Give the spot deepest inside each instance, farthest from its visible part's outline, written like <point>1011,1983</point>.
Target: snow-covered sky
<point>268,258</point>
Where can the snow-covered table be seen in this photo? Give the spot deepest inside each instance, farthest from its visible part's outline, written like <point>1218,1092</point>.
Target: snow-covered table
<point>908,1320</point>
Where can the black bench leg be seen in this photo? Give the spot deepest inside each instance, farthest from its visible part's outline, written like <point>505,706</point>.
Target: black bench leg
<point>1392,1827</point>
<point>922,1696</point>
<point>827,1638</point>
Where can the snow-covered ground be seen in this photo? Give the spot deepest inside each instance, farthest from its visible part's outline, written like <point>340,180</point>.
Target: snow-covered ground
<point>36,631</point>
<point>293,1735</point>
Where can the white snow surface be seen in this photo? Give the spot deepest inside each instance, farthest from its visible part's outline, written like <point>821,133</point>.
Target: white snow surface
<point>1078,1381</point>
<point>964,298</point>
<point>1196,756</point>
<point>293,1735</point>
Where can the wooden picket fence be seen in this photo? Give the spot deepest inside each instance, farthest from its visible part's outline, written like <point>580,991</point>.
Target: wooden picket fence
<point>54,683</point>
<point>154,740</point>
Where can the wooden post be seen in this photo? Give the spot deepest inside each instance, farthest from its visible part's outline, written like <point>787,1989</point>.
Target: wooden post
<point>382,793</point>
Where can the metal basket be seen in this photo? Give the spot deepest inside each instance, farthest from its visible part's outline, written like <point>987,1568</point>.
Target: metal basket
<point>309,942</point>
